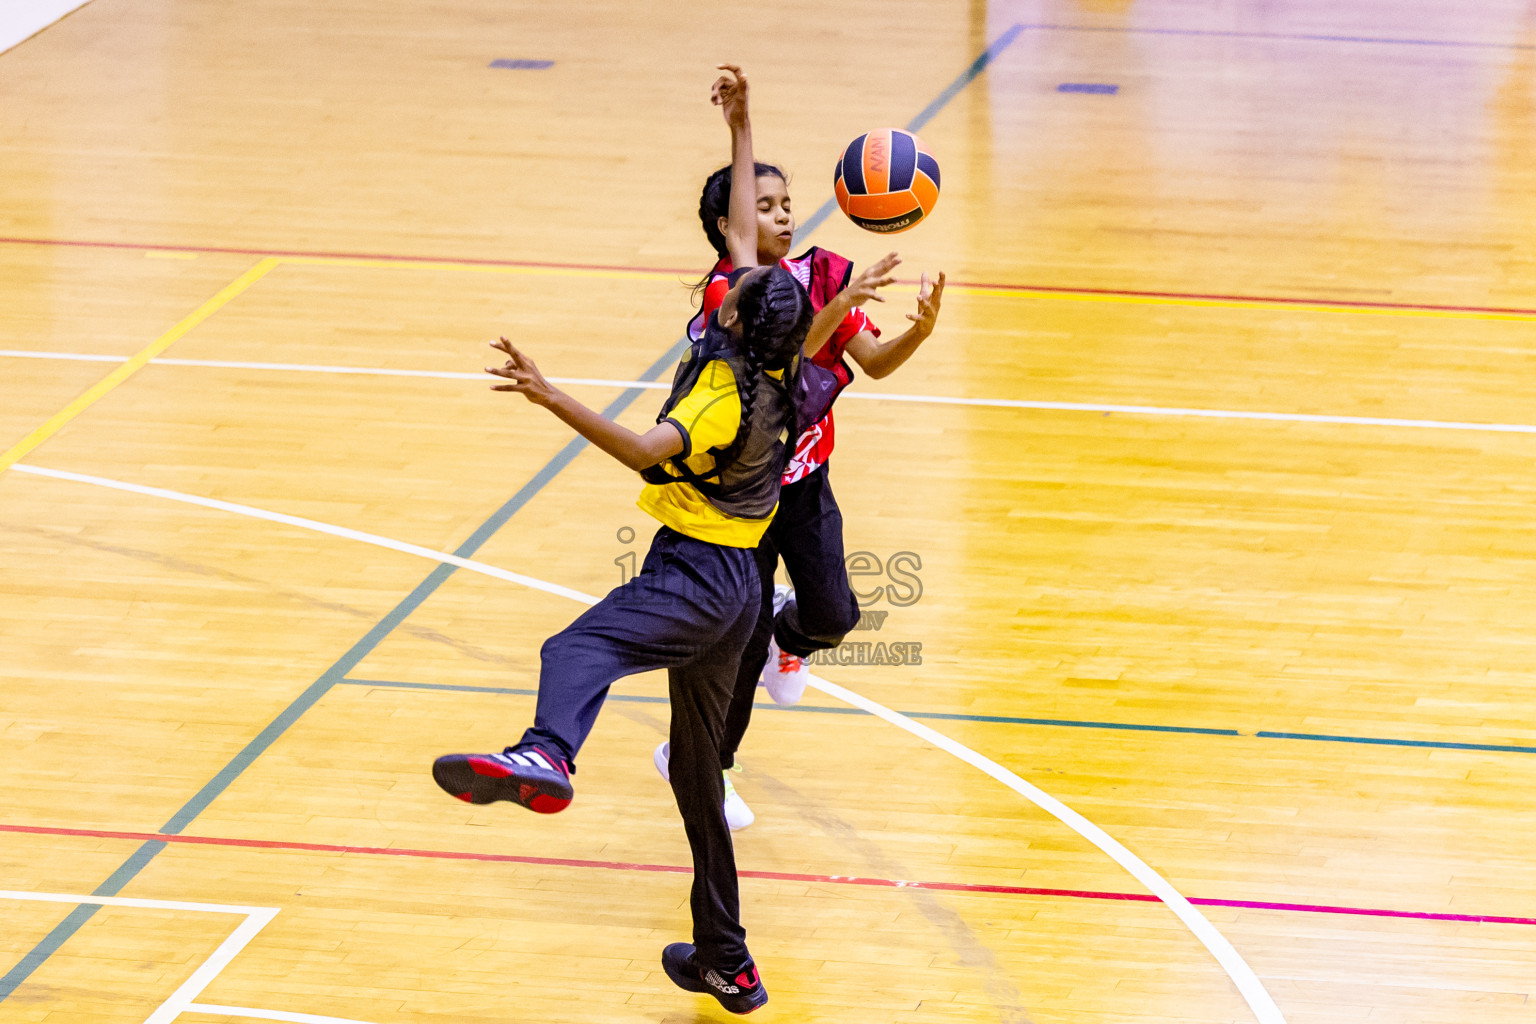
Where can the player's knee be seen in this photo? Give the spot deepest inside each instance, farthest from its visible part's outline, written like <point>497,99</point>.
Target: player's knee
<point>556,648</point>
<point>845,622</point>
<point>831,631</point>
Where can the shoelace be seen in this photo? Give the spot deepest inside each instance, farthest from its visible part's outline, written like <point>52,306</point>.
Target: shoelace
<point>789,662</point>
<point>730,787</point>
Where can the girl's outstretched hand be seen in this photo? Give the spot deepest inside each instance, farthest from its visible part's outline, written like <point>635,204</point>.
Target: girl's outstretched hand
<point>525,377</point>
<point>929,295</point>
<point>730,95</point>
<point>868,284</point>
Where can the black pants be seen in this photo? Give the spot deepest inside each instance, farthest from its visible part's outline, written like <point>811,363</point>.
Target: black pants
<point>690,611</point>
<point>807,532</point>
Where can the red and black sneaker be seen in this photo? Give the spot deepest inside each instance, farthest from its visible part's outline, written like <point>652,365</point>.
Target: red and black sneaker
<point>739,991</point>
<point>524,775</point>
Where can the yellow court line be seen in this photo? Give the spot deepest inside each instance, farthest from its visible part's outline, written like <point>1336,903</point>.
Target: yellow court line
<point>25,446</point>
<point>1257,304</point>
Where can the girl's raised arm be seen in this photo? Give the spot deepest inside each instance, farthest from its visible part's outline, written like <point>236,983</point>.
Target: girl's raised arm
<point>730,94</point>
<point>637,451</point>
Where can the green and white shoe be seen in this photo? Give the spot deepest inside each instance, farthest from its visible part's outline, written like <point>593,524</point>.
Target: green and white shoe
<point>737,814</point>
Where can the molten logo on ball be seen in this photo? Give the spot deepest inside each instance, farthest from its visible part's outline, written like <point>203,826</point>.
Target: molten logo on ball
<point>886,180</point>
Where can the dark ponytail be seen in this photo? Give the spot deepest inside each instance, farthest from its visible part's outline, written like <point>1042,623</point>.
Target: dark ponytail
<point>775,315</point>
<point>715,202</point>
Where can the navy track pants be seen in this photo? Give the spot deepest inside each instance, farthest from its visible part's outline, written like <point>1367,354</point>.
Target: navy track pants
<point>691,611</point>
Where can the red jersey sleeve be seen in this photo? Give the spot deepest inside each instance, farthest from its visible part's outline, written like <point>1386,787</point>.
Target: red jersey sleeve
<point>714,294</point>
<point>852,324</point>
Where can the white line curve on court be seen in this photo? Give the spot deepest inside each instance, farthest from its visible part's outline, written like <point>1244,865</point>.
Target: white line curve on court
<point>1236,968</point>
<point>312,524</point>
<point>861,396</point>
<point>1231,961</point>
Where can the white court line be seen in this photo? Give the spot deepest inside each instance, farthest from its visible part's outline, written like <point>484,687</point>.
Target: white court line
<point>181,999</point>
<point>1248,984</point>
<point>295,1018</point>
<point>863,396</point>
<point>367,371</point>
<point>1237,968</point>
<point>21,21</point>
<point>126,901</point>
<point>256,918</point>
<point>311,524</point>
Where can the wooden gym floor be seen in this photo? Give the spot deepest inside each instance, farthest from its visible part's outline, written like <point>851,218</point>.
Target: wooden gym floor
<point>1209,504</point>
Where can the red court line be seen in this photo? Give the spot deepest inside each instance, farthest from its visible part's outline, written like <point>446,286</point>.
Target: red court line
<point>1276,299</point>
<point>777,876</point>
<point>694,272</point>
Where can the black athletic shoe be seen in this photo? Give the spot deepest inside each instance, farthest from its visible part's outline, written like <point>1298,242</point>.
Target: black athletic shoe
<point>741,994</point>
<point>526,776</point>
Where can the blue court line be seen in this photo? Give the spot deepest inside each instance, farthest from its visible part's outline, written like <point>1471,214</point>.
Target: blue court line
<point>1379,741</point>
<point>947,716</point>
<point>337,672</point>
<point>951,90</point>
<point>1302,37</point>
<point>78,916</point>
<point>967,76</point>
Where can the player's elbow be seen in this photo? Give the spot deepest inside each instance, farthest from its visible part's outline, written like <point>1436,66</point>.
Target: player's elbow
<point>639,461</point>
<point>651,451</point>
<point>876,369</point>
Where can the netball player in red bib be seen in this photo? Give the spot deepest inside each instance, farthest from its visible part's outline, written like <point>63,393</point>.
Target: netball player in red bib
<point>807,530</point>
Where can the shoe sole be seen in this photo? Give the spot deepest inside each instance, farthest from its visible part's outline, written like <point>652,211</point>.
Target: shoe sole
<point>477,779</point>
<point>691,984</point>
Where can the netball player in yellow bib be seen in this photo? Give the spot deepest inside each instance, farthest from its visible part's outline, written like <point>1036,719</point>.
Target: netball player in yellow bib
<point>712,467</point>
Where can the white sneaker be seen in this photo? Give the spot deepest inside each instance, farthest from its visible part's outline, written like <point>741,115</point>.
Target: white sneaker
<point>782,592</point>
<point>784,675</point>
<point>737,814</point>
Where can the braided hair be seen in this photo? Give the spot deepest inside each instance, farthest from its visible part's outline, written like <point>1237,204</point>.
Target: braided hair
<point>775,315</point>
<point>715,202</point>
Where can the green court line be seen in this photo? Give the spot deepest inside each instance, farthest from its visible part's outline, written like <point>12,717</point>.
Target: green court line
<point>820,709</point>
<point>949,716</point>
